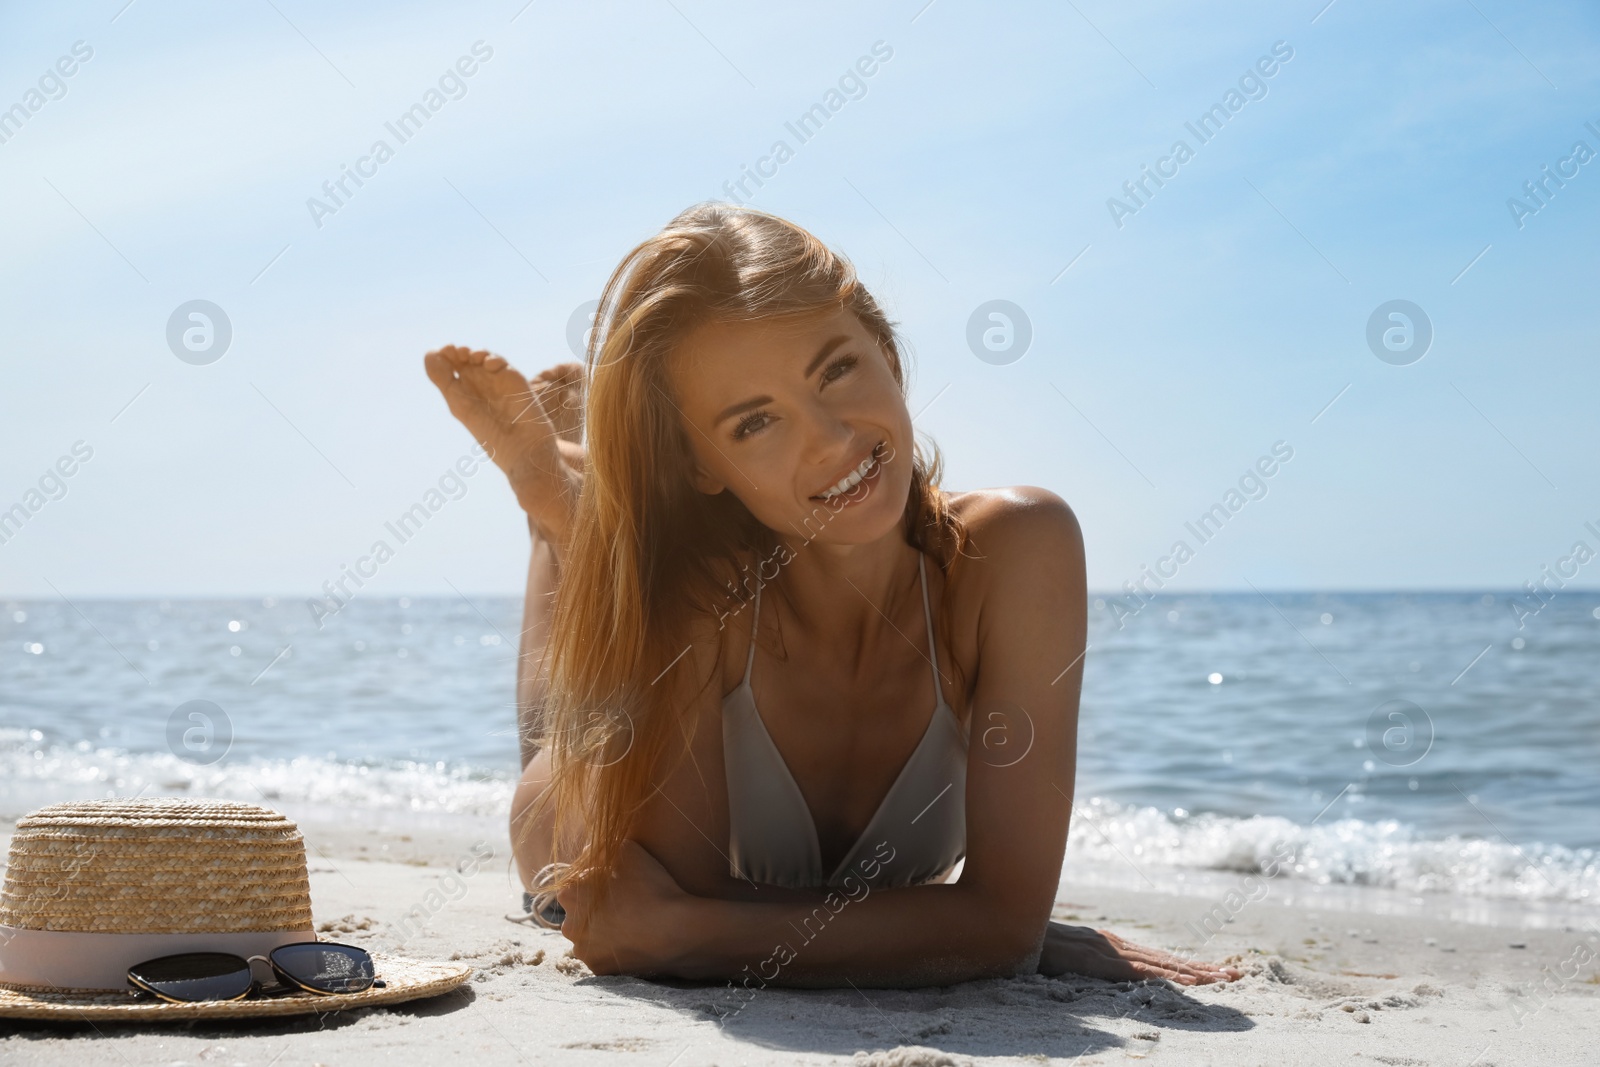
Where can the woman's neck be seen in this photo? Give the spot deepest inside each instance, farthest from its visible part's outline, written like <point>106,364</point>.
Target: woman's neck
<point>842,597</point>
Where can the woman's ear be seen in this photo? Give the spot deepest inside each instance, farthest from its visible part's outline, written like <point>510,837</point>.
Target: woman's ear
<point>705,482</point>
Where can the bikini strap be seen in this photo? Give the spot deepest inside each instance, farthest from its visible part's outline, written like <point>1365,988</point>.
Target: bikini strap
<point>927,617</point>
<point>755,619</point>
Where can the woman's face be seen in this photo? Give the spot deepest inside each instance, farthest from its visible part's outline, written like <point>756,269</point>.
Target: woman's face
<point>780,413</point>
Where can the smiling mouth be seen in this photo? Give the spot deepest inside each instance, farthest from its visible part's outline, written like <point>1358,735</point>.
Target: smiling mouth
<point>865,470</point>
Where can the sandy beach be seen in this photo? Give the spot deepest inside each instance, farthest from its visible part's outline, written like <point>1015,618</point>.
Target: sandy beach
<point>1323,985</point>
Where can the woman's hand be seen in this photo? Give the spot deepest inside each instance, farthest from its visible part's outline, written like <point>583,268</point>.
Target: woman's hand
<point>632,930</point>
<point>1102,954</point>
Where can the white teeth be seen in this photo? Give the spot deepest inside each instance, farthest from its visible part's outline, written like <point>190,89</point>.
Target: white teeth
<point>852,479</point>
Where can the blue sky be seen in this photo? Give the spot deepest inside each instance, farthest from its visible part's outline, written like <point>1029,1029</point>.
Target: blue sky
<point>1227,314</point>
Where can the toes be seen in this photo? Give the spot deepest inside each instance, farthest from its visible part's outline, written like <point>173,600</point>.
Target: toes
<point>569,375</point>
<point>440,370</point>
<point>460,355</point>
<point>561,374</point>
<point>479,385</point>
<point>453,356</point>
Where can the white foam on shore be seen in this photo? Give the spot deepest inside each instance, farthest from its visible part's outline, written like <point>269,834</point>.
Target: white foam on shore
<point>1146,841</point>
<point>34,775</point>
<point>1386,854</point>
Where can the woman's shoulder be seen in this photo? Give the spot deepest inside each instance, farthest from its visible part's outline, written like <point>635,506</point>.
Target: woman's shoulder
<point>1014,522</point>
<point>1022,565</point>
<point>1018,539</point>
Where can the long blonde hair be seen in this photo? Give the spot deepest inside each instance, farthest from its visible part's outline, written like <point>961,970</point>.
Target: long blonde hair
<point>648,552</point>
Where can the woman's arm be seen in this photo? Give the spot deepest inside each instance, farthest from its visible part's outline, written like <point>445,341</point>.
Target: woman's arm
<point>1029,580</point>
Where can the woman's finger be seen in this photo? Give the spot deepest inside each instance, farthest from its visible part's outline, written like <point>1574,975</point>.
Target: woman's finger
<point>1190,972</point>
<point>1150,970</point>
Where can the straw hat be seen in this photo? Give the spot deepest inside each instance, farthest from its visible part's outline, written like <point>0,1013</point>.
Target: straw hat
<point>93,888</point>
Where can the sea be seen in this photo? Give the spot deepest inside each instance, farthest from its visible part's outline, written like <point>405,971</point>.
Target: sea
<point>1429,752</point>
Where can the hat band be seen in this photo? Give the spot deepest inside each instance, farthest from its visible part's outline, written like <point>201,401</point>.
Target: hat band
<point>71,959</point>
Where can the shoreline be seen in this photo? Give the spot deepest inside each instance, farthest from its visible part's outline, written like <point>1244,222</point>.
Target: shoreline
<point>1370,865</point>
<point>1418,988</point>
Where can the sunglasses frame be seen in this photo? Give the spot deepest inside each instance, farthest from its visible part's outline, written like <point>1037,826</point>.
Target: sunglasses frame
<point>287,980</point>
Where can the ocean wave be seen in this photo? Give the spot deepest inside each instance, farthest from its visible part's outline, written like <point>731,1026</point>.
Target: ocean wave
<point>1351,852</point>
<point>36,774</point>
<point>1384,854</point>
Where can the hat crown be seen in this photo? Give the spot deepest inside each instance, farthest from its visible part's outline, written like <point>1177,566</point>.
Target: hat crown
<point>156,865</point>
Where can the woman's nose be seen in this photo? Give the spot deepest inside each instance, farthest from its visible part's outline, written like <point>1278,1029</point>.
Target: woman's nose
<point>828,436</point>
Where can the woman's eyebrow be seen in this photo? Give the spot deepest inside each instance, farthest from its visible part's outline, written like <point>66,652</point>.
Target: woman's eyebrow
<point>739,408</point>
<point>754,402</point>
<point>822,353</point>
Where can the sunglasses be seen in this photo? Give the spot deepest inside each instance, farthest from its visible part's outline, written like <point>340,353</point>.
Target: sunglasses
<point>322,967</point>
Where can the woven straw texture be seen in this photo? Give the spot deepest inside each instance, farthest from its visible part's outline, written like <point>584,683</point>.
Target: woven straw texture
<point>407,980</point>
<point>156,866</point>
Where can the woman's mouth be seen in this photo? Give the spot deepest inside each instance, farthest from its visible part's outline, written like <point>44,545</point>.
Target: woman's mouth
<point>865,471</point>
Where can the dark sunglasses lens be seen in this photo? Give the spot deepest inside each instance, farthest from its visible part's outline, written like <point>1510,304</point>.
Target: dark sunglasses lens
<point>326,967</point>
<point>193,976</point>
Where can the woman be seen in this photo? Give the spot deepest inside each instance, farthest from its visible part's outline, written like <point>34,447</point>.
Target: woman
<point>748,524</point>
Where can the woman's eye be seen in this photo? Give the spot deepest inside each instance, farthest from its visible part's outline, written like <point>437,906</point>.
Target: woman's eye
<point>748,425</point>
<point>756,421</point>
<point>842,366</point>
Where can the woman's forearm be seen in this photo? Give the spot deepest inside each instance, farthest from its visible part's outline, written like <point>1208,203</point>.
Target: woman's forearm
<point>916,935</point>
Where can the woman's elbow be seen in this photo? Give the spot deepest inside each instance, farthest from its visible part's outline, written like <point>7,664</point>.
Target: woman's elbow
<point>1011,948</point>
<point>1002,955</point>
<point>1012,941</point>
<point>1007,947</point>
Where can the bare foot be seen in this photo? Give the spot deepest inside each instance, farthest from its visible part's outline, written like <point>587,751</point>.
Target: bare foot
<point>560,393</point>
<point>509,418</point>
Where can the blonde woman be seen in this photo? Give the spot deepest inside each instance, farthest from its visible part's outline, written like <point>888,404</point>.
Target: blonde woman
<point>730,513</point>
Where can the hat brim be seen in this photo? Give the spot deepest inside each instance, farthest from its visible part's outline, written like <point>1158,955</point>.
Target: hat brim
<point>404,979</point>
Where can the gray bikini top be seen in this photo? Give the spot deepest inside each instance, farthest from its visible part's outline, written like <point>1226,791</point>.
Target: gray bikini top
<point>918,832</point>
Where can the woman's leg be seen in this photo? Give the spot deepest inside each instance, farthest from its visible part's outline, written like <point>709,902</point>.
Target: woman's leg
<point>532,680</point>
<point>532,432</point>
<point>533,832</point>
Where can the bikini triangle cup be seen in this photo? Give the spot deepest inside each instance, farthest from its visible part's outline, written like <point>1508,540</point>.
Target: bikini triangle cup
<point>772,835</point>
